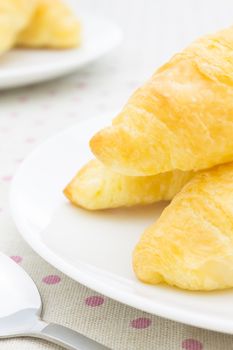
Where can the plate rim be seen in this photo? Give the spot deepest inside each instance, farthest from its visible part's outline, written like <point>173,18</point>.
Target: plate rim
<point>14,78</point>
<point>139,302</point>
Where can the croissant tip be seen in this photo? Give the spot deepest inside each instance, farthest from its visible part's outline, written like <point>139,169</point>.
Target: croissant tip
<point>67,192</point>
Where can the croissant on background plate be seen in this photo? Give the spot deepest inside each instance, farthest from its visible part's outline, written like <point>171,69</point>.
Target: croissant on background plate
<point>38,23</point>
<point>15,15</point>
<point>53,25</point>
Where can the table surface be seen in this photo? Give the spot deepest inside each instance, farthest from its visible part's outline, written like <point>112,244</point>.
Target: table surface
<point>154,30</point>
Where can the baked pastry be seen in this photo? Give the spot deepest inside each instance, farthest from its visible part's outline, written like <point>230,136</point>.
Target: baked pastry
<point>14,17</point>
<point>191,244</point>
<point>97,187</point>
<point>182,118</point>
<point>53,25</point>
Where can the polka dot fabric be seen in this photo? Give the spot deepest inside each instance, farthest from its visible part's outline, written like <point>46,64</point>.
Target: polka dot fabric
<point>51,279</point>
<point>17,258</point>
<point>192,344</point>
<point>27,117</point>
<point>94,301</point>
<point>141,323</point>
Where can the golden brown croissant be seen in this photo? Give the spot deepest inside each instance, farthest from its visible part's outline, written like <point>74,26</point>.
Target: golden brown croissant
<point>53,25</point>
<point>97,187</point>
<point>191,244</point>
<point>182,118</point>
<point>14,17</point>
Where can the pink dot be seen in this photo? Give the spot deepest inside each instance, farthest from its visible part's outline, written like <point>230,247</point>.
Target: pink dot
<point>46,106</point>
<point>16,258</point>
<point>191,344</point>
<point>141,323</point>
<point>7,178</point>
<point>19,160</point>
<point>81,85</point>
<point>30,140</point>
<point>4,130</point>
<point>14,114</point>
<point>94,300</point>
<point>51,279</point>
<point>52,92</point>
<point>23,99</point>
<point>76,99</point>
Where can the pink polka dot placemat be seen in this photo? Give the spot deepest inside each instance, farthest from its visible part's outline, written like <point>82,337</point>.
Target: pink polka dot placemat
<point>27,117</point>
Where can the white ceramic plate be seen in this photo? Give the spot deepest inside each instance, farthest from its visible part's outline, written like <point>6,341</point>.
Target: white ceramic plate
<point>95,248</point>
<point>21,67</point>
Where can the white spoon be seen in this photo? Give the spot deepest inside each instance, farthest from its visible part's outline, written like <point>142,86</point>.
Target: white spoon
<point>20,309</point>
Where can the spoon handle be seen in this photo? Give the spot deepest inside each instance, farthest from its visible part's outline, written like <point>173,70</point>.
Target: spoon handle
<point>65,337</point>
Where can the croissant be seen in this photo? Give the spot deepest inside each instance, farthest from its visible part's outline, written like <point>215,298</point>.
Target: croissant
<point>182,118</point>
<point>14,16</point>
<point>53,25</point>
<point>191,244</point>
<point>97,187</point>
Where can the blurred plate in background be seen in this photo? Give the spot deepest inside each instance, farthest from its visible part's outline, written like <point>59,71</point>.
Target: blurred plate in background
<point>21,67</point>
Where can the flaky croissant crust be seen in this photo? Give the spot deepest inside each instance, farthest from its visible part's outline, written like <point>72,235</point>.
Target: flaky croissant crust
<point>182,118</point>
<point>191,244</point>
<point>97,187</point>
